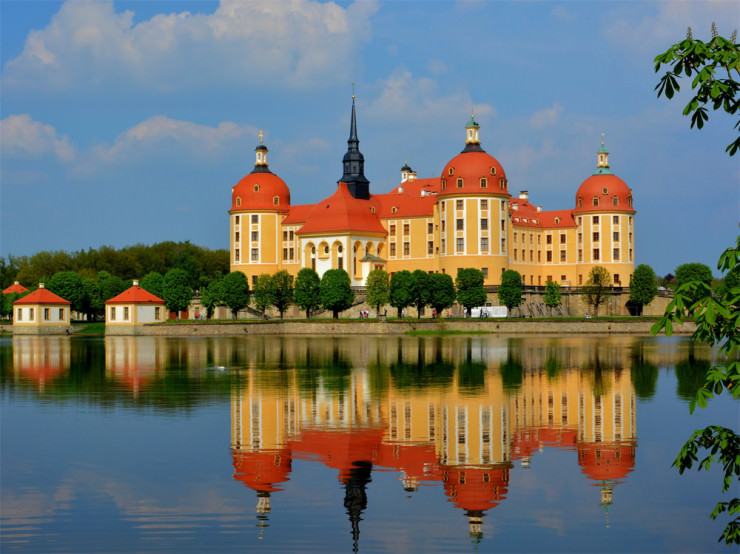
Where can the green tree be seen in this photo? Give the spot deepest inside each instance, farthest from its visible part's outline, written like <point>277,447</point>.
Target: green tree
<point>282,291</point>
<point>441,292</point>
<point>336,291</point>
<point>597,289</point>
<point>420,291</point>
<point>307,291</point>
<point>68,285</point>
<point>717,318</point>
<point>686,273</point>
<point>643,286</point>
<point>153,282</point>
<point>552,297</point>
<point>377,288</point>
<point>108,286</point>
<point>470,289</point>
<point>263,293</point>
<point>510,290</point>
<point>212,295</point>
<point>234,291</point>
<point>176,291</point>
<point>716,64</point>
<point>402,290</point>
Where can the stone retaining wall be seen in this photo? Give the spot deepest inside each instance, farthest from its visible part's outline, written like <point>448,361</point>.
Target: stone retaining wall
<point>349,327</point>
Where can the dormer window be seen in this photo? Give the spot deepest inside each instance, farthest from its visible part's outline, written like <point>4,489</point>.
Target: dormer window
<point>493,170</point>
<point>256,188</point>
<point>557,221</point>
<point>605,190</point>
<point>372,209</point>
<point>444,184</point>
<point>459,182</point>
<point>596,201</point>
<point>275,200</point>
<point>451,171</point>
<point>238,201</point>
<point>580,202</point>
<point>483,183</point>
<point>615,201</point>
<point>629,201</point>
<point>394,209</point>
<point>501,183</point>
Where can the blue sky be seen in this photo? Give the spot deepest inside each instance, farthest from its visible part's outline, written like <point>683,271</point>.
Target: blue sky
<point>129,122</point>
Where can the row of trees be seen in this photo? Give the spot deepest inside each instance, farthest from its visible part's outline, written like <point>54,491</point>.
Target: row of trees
<point>200,264</point>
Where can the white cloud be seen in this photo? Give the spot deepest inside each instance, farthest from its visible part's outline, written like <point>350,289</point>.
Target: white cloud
<point>23,137</point>
<point>562,14</point>
<point>546,117</point>
<point>295,43</point>
<point>405,97</point>
<point>654,33</point>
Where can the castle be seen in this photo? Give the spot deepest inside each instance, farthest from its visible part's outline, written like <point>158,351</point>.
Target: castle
<point>464,217</point>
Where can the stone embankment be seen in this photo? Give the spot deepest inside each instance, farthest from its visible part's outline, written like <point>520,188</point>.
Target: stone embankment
<point>356,327</point>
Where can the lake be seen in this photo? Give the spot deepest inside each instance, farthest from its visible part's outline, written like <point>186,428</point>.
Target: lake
<point>476,443</point>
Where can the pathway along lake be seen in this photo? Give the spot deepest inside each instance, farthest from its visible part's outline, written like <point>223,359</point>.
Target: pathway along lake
<point>374,444</point>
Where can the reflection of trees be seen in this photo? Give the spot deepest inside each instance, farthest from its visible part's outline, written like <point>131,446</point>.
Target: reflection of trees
<point>643,373</point>
<point>512,373</point>
<point>471,374</point>
<point>421,374</point>
<point>691,374</point>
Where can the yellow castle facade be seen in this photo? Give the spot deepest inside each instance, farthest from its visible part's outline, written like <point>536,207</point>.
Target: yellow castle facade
<point>465,217</point>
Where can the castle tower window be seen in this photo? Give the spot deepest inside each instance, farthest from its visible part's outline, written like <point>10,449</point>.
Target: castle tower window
<point>596,201</point>
<point>615,201</point>
<point>275,200</point>
<point>493,170</point>
<point>484,204</point>
<point>256,188</point>
<point>459,182</point>
<point>580,202</point>
<point>236,255</point>
<point>629,201</point>
<point>483,182</point>
<point>238,202</point>
<point>255,218</point>
<point>237,218</point>
<point>451,171</point>
<point>459,204</point>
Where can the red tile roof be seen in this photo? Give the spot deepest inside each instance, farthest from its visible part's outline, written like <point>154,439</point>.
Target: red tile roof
<point>258,190</point>
<point>15,287</point>
<point>41,296</point>
<point>135,295</point>
<point>606,188</point>
<point>342,212</point>
<point>526,211</point>
<point>403,204</point>
<point>471,167</point>
<point>298,214</point>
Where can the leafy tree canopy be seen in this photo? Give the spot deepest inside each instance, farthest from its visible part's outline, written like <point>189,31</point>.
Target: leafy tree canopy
<point>402,290</point>
<point>233,290</point>
<point>420,290</point>
<point>643,285</point>
<point>336,291</point>
<point>377,288</point>
<point>263,292</point>
<point>596,291</point>
<point>552,297</point>
<point>176,291</point>
<point>715,68</point>
<point>441,292</point>
<point>510,290</point>
<point>153,282</point>
<point>307,290</point>
<point>282,291</point>
<point>470,289</point>
<point>68,285</point>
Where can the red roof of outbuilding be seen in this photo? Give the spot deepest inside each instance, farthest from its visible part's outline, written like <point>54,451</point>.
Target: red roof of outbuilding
<point>342,212</point>
<point>15,287</point>
<point>135,295</point>
<point>41,296</point>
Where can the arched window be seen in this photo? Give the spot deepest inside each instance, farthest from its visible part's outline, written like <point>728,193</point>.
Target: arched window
<point>238,201</point>
<point>256,188</point>
<point>580,201</point>
<point>444,184</point>
<point>501,183</point>
<point>451,171</point>
<point>605,190</point>
<point>629,201</point>
<point>557,221</point>
<point>394,209</point>
<point>493,170</point>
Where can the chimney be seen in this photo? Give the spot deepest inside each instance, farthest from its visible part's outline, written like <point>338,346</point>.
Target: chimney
<point>539,209</point>
<point>136,282</point>
<point>524,195</point>
<point>41,285</point>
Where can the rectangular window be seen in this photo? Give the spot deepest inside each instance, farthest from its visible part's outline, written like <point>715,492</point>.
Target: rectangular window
<point>484,271</point>
<point>562,239</point>
<point>562,256</point>
<point>539,256</point>
<point>236,236</point>
<point>393,249</point>
<point>31,314</point>
<point>61,314</point>
<point>596,236</point>
<point>255,218</point>
<point>515,254</point>
<point>285,235</point>
<point>255,254</point>
<point>484,244</point>
<point>615,254</point>
<point>125,313</point>
<point>291,235</point>
<point>549,256</point>
<point>460,245</point>
<point>236,254</point>
<point>596,254</point>
<point>459,224</point>
<point>630,254</point>
<point>430,247</point>
<point>254,281</point>
<point>237,220</point>
<point>484,224</point>
<point>580,237</point>
<point>615,236</point>
<point>515,238</point>
<point>46,314</point>
<point>291,254</point>
<point>393,230</point>
<point>596,220</point>
<point>405,229</point>
<point>484,204</point>
<point>156,312</point>
<point>580,255</point>
<point>503,245</point>
<point>444,247</point>
<point>459,204</point>
<point>580,279</point>
<point>113,313</point>
<point>430,228</point>
<point>548,239</point>
<point>615,219</point>
<point>285,253</point>
<point>503,225</point>
<point>255,236</point>
<point>531,255</point>
<point>406,249</point>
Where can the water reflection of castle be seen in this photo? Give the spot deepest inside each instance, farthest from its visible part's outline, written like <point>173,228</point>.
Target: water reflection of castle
<point>444,418</point>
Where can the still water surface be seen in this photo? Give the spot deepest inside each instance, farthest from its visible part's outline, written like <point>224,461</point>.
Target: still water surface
<point>413,444</point>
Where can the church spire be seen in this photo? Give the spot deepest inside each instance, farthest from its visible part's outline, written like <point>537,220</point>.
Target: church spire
<point>354,162</point>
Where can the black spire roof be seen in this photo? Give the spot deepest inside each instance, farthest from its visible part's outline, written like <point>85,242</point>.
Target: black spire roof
<point>354,163</point>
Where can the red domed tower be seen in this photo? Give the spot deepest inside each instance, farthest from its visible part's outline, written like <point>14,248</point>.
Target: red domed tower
<point>259,203</point>
<point>604,215</point>
<point>473,211</point>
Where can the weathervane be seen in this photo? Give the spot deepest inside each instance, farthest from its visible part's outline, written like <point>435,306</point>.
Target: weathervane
<point>260,135</point>
<point>353,90</point>
<point>602,139</point>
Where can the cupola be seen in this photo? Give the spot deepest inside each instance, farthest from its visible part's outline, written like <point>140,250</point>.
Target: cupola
<point>260,162</point>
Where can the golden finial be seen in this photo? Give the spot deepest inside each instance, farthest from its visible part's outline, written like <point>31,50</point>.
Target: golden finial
<point>260,136</point>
